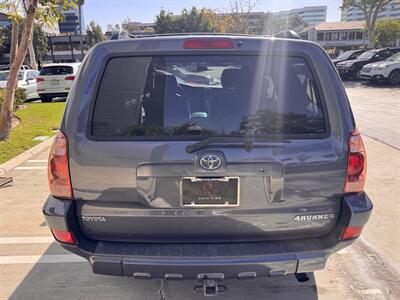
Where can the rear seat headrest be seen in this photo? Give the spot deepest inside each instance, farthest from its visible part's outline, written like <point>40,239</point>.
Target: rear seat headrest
<point>231,78</point>
<point>162,80</point>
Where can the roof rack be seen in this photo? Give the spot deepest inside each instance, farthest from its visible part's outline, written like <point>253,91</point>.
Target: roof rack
<point>123,34</point>
<point>288,34</point>
<point>116,35</point>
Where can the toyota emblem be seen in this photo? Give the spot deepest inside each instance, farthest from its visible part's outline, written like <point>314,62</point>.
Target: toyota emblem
<point>210,162</point>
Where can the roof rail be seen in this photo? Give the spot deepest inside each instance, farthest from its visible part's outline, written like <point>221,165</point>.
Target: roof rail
<point>288,34</point>
<point>120,35</point>
<point>116,35</point>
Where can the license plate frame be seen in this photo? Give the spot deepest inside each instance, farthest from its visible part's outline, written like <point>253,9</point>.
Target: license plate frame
<point>206,201</point>
<point>54,82</point>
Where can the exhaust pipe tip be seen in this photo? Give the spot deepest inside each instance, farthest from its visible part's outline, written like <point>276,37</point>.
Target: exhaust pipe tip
<point>302,277</point>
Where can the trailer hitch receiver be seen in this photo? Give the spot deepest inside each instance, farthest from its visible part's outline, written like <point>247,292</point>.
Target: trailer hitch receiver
<point>211,284</point>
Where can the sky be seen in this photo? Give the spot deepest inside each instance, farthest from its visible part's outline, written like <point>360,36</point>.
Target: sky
<point>106,12</point>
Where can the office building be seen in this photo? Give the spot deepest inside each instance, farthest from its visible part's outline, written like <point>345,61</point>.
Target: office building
<point>390,11</point>
<point>337,36</point>
<point>70,23</point>
<point>310,14</point>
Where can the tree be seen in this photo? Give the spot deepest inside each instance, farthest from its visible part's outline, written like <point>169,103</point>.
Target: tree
<point>5,36</point>
<point>94,34</point>
<point>48,12</point>
<point>387,32</point>
<point>274,24</point>
<point>237,20</point>
<point>129,26</point>
<point>193,20</point>
<point>370,9</point>
<point>115,27</point>
<point>39,42</point>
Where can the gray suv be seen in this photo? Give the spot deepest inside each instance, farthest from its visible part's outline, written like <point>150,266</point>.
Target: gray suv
<point>207,157</point>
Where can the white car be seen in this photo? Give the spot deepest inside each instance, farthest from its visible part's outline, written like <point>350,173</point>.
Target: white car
<point>55,80</point>
<point>26,80</point>
<point>388,69</point>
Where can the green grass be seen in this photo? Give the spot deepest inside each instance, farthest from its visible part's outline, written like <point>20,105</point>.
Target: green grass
<point>37,120</point>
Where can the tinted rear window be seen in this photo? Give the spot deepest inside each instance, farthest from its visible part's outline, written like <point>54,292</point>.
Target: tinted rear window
<point>207,95</point>
<point>57,70</point>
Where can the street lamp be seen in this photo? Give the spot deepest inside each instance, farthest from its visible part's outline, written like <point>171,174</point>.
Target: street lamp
<point>80,3</point>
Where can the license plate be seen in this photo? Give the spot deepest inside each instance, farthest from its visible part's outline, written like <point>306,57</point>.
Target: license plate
<point>210,192</point>
<point>54,82</point>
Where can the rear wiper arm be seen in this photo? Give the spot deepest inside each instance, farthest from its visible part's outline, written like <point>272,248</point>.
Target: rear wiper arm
<point>248,142</point>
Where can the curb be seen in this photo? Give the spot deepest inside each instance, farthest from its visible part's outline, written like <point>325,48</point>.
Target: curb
<point>19,159</point>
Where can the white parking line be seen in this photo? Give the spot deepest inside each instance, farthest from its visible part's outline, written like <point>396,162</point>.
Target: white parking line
<point>37,160</point>
<point>27,240</point>
<point>370,292</point>
<point>30,168</point>
<point>40,259</point>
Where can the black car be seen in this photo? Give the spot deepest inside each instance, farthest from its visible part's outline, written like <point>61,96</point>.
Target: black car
<point>350,68</point>
<point>348,55</point>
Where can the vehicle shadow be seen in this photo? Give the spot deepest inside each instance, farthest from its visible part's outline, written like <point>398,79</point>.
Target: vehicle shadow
<point>368,84</point>
<point>74,280</point>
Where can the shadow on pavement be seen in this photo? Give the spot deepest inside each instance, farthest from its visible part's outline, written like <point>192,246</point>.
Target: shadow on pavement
<point>74,280</point>
<point>368,84</point>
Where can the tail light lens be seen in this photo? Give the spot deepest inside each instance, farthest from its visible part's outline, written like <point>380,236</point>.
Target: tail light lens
<point>58,168</point>
<point>351,232</point>
<point>357,164</point>
<point>64,236</point>
<point>208,44</point>
<point>39,79</point>
<point>70,78</point>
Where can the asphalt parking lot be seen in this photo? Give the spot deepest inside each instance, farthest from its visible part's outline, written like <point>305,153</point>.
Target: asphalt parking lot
<point>33,266</point>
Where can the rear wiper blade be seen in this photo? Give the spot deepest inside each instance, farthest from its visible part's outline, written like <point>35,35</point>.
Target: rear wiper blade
<point>214,140</point>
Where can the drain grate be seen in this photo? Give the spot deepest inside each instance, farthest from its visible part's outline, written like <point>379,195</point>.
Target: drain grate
<point>4,181</point>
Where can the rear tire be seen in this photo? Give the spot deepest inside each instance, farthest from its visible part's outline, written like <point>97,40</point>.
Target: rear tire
<point>45,99</point>
<point>394,77</point>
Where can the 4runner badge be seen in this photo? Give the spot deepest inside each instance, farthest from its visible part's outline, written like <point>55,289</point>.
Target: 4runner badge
<point>93,219</point>
<point>314,217</point>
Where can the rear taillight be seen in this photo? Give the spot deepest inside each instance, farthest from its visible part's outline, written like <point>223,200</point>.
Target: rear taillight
<point>58,168</point>
<point>70,78</point>
<point>351,232</point>
<point>39,79</point>
<point>357,164</point>
<point>208,44</point>
<point>64,236</point>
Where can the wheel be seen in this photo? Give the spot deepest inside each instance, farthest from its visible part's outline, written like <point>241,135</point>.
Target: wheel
<point>394,77</point>
<point>46,99</point>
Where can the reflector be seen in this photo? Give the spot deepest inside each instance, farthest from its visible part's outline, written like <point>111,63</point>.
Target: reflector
<point>64,236</point>
<point>351,232</point>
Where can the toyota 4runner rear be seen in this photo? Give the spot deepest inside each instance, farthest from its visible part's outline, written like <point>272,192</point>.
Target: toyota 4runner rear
<point>207,156</point>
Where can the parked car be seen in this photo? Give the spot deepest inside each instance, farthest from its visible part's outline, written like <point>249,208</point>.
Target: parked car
<point>55,80</point>
<point>351,68</point>
<point>260,172</point>
<point>348,55</point>
<point>387,70</point>
<point>26,81</point>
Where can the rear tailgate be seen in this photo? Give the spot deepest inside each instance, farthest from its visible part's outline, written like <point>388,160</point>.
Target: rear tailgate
<point>130,163</point>
<point>56,79</point>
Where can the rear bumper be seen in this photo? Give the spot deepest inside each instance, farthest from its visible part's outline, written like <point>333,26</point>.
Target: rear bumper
<point>369,76</point>
<point>194,261</point>
<point>53,94</point>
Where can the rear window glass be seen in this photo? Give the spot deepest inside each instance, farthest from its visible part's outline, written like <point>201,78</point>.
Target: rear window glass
<point>207,95</point>
<point>57,70</point>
